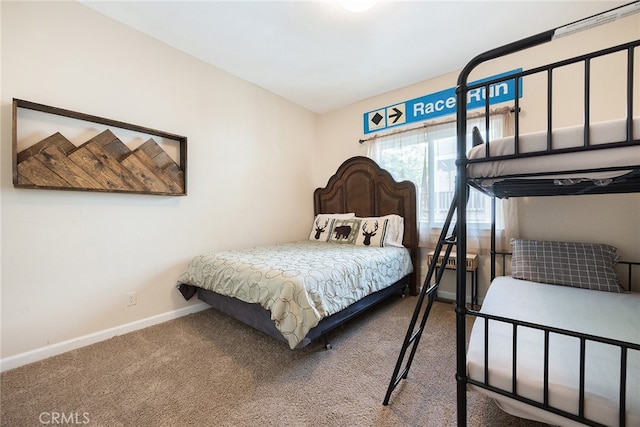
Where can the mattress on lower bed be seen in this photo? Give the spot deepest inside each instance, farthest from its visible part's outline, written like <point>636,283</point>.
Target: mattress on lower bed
<point>555,164</point>
<point>604,314</point>
<point>300,283</point>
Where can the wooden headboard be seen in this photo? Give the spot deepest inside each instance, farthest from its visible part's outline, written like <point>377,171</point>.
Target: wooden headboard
<point>361,186</point>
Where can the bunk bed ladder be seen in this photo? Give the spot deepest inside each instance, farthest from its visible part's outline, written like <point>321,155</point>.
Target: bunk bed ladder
<point>428,293</point>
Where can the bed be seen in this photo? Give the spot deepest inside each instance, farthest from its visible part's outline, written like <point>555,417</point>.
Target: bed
<point>576,341</point>
<point>568,168</point>
<point>590,158</point>
<point>361,249</point>
<point>584,305</point>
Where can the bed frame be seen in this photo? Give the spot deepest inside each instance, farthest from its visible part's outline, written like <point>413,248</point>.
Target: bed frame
<point>521,185</point>
<point>360,186</point>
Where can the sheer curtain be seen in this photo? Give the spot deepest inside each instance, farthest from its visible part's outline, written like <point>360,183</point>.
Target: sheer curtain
<point>426,156</point>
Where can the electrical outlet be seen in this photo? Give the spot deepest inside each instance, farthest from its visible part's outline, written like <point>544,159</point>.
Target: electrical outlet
<point>132,299</point>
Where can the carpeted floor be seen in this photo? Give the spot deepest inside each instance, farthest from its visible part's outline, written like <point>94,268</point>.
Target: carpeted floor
<point>207,369</point>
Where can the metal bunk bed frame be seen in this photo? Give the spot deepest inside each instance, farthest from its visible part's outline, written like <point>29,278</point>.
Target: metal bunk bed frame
<point>462,187</point>
<point>455,233</point>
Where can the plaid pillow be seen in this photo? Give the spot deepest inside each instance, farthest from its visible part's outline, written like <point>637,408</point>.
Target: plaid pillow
<point>579,265</point>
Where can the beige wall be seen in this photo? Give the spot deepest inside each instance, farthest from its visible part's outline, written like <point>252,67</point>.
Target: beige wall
<point>69,258</point>
<point>613,219</point>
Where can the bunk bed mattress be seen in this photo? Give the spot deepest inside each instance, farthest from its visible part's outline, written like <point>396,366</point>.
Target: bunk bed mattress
<point>553,165</point>
<point>604,314</point>
<point>300,283</point>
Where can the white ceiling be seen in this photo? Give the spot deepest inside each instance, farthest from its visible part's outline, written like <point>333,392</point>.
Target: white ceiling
<point>322,57</point>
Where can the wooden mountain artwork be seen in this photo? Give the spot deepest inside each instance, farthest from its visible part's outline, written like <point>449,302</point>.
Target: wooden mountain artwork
<point>103,163</point>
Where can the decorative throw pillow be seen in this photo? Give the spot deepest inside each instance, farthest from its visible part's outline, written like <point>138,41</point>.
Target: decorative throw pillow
<point>580,265</point>
<point>345,231</point>
<point>395,230</point>
<point>372,232</point>
<point>322,224</point>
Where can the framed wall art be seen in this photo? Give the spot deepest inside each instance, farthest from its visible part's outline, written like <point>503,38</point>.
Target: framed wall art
<point>106,155</point>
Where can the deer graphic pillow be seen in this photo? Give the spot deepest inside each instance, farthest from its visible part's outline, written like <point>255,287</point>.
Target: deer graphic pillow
<point>323,224</point>
<point>372,232</point>
<point>379,231</point>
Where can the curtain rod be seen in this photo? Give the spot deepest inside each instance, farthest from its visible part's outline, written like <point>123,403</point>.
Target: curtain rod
<point>451,119</point>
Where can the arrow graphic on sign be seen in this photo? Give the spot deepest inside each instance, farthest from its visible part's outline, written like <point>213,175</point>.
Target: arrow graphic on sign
<point>396,115</point>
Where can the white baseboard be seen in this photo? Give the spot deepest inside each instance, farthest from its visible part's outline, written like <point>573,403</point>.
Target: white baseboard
<point>72,344</point>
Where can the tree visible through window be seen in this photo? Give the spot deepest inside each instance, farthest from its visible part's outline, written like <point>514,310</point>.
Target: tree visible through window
<point>427,156</point>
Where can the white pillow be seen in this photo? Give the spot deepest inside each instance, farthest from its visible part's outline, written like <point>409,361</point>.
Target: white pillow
<point>323,224</point>
<point>395,231</point>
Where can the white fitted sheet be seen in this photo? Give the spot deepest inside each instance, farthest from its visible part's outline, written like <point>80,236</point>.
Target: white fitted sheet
<point>599,313</point>
<point>555,164</point>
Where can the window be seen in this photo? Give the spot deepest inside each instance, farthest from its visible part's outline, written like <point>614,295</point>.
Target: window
<point>427,157</point>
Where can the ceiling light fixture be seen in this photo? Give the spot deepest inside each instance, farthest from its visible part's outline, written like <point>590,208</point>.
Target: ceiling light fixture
<point>357,5</point>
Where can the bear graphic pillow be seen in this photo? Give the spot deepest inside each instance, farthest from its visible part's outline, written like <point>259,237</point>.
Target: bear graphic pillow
<point>345,231</point>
